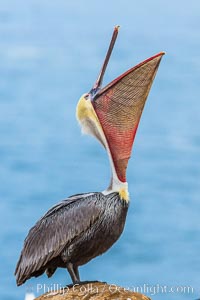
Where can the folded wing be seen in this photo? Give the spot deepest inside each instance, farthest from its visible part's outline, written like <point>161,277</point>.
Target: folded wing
<point>59,226</point>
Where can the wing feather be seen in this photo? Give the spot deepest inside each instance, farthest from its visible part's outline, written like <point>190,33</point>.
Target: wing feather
<point>54,231</point>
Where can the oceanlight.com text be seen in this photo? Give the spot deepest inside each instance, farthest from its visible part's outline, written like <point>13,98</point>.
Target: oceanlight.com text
<point>92,288</point>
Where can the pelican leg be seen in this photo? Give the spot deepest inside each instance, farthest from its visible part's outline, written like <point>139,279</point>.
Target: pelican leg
<point>73,271</point>
<point>76,272</point>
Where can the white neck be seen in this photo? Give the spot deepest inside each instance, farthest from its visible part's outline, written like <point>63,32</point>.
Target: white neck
<point>115,184</point>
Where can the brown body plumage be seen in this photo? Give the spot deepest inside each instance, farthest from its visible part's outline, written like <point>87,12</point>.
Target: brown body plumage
<point>86,226</point>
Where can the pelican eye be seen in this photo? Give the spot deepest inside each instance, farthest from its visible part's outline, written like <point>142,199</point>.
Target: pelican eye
<point>86,96</point>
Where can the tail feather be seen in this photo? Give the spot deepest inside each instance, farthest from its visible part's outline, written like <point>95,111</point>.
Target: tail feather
<point>50,271</point>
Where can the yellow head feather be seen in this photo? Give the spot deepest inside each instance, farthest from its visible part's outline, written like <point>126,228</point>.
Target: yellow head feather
<point>124,194</point>
<point>85,110</point>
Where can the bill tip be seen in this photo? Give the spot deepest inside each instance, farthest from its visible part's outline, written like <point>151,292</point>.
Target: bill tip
<point>117,27</point>
<point>162,53</point>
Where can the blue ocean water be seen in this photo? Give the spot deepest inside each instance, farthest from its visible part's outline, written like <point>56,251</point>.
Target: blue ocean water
<point>51,53</point>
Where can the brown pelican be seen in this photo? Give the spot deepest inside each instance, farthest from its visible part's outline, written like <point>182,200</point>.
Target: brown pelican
<point>86,225</point>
